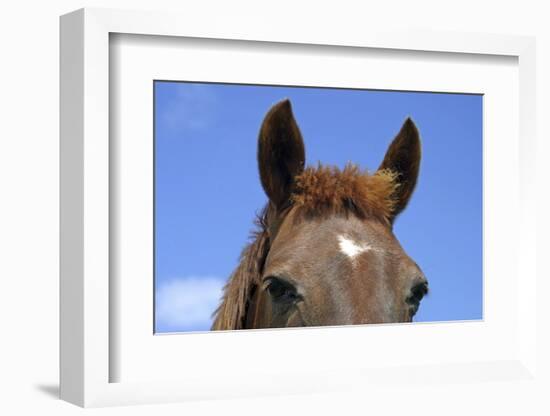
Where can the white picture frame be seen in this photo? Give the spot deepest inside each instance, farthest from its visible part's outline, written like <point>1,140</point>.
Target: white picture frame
<point>87,356</point>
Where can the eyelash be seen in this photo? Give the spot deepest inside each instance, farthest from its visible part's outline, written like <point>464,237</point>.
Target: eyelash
<point>280,290</point>
<point>417,294</point>
<point>419,291</point>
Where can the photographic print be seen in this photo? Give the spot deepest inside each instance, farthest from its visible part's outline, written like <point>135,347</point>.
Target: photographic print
<point>289,206</point>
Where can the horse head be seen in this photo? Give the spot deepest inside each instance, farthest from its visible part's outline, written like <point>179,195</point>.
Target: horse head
<point>326,253</point>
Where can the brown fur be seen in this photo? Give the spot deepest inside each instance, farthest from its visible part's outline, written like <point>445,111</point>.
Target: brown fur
<point>376,198</point>
<point>321,190</point>
<point>403,156</point>
<point>281,153</point>
<point>333,191</point>
<point>237,292</point>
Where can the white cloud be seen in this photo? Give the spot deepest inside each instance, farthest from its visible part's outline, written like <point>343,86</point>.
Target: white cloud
<point>187,304</point>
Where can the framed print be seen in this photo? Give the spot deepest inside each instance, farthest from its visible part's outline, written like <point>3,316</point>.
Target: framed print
<point>393,209</point>
<point>190,133</point>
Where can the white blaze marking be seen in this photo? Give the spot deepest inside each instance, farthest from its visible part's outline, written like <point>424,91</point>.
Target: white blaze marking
<point>352,248</point>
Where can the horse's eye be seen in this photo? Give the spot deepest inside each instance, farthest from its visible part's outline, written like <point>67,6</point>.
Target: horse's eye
<point>418,291</point>
<point>281,291</point>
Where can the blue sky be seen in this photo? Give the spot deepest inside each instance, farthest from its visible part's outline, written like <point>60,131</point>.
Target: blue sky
<point>207,189</point>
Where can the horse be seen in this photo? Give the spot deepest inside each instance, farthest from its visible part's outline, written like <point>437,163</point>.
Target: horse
<point>324,252</point>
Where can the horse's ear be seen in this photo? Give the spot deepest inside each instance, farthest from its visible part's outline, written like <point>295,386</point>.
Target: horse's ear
<point>281,154</point>
<point>403,158</point>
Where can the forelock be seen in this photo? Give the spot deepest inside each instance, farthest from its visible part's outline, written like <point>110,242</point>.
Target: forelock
<point>329,190</point>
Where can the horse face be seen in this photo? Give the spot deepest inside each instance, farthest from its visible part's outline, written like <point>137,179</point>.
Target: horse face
<point>337,271</point>
<point>332,269</point>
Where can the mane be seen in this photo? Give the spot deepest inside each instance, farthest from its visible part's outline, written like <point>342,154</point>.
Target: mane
<point>239,288</point>
<point>330,190</point>
<point>318,191</point>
